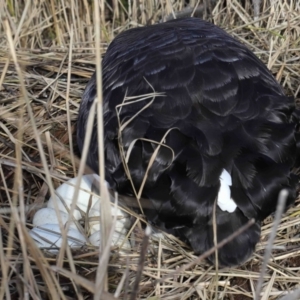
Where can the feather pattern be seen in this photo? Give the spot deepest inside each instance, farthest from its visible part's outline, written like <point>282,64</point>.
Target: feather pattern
<point>222,113</point>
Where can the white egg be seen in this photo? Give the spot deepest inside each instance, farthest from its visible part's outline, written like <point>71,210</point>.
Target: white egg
<point>118,239</point>
<point>49,236</point>
<point>158,235</point>
<point>84,200</point>
<point>123,219</point>
<point>155,235</point>
<point>48,215</point>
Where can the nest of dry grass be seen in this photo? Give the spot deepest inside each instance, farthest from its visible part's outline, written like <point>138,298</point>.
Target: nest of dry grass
<point>47,55</point>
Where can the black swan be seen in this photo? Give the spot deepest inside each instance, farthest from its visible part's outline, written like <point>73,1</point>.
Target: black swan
<point>226,132</point>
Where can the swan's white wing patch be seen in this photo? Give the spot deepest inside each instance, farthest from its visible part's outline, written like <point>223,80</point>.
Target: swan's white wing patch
<point>224,196</point>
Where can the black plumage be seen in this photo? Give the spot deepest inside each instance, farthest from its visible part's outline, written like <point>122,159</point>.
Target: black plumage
<point>219,109</point>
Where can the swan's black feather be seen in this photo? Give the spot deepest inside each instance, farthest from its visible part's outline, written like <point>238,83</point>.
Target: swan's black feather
<point>223,109</point>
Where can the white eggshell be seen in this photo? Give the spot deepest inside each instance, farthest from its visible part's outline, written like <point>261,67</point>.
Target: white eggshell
<point>66,192</point>
<point>48,215</point>
<point>95,226</point>
<point>49,236</point>
<point>158,235</point>
<point>123,219</point>
<point>117,240</point>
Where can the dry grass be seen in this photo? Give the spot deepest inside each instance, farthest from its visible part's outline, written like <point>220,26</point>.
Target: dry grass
<point>47,54</point>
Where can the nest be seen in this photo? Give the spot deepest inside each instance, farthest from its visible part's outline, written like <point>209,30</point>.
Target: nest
<point>47,55</point>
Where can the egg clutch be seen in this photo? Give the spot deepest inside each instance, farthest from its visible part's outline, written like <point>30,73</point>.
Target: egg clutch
<point>49,221</point>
